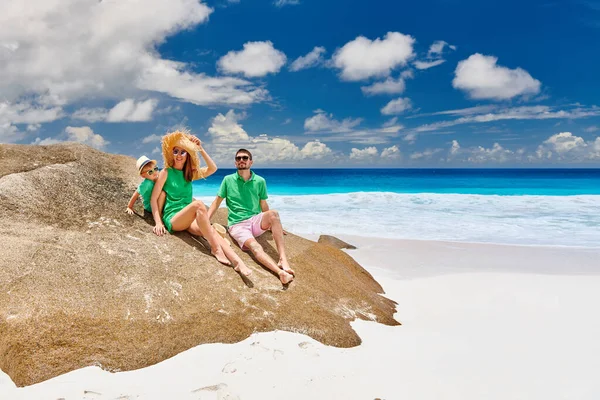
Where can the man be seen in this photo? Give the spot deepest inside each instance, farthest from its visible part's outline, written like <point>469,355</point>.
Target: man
<point>249,214</point>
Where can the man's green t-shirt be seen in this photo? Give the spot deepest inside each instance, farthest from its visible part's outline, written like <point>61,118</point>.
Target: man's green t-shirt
<point>242,197</point>
<point>145,190</point>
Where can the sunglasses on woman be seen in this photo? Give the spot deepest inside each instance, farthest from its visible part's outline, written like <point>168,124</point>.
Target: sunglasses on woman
<point>182,152</point>
<point>152,171</point>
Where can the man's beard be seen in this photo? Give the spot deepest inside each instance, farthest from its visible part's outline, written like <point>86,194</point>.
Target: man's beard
<point>243,168</point>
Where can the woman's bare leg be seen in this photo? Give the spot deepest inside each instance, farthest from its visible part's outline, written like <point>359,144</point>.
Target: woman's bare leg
<point>236,261</point>
<point>194,219</point>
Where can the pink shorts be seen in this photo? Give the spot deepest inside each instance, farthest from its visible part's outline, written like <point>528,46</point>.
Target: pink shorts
<point>247,229</point>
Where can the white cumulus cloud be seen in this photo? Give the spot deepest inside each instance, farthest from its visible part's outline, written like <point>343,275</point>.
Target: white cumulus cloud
<point>428,64</point>
<point>79,134</point>
<point>363,58</point>
<point>480,154</point>
<point>437,48</point>
<point>391,152</point>
<point>564,145</point>
<point>65,50</point>
<point>368,153</point>
<point>324,122</point>
<point>227,135</point>
<point>397,106</point>
<point>482,78</point>
<point>389,86</point>
<point>315,150</point>
<point>485,114</point>
<point>455,148</point>
<point>257,59</point>
<point>127,110</point>
<point>152,138</point>
<point>31,114</point>
<point>312,59</point>
<point>561,147</point>
<point>434,55</point>
<point>425,154</point>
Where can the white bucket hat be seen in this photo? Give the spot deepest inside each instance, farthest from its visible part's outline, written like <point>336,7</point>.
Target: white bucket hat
<point>142,161</point>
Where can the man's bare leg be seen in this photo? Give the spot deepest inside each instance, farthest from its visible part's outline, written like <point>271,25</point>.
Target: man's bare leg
<point>267,261</point>
<point>271,221</point>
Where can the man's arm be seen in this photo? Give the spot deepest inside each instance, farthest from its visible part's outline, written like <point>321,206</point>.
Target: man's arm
<point>214,206</point>
<point>264,206</point>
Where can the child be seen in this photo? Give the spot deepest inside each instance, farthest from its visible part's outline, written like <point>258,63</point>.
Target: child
<point>149,171</point>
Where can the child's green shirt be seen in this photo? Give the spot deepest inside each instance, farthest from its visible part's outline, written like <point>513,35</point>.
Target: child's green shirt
<point>145,190</point>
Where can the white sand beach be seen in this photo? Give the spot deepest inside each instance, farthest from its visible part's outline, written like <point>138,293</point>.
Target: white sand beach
<point>478,321</point>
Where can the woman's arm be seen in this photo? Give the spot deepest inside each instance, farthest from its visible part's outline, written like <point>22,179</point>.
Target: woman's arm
<point>211,166</point>
<point>159,228</point>
<point>132,202</point>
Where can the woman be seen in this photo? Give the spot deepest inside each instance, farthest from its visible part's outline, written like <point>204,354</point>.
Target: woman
<point>181,212</point>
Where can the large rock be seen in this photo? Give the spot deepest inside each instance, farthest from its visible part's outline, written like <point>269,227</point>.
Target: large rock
<point>83,283</point>
<point>335,242</point>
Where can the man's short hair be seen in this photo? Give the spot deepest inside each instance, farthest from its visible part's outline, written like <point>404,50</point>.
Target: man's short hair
<point>244,151</point>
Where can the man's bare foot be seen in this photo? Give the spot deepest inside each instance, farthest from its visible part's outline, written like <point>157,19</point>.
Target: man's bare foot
<point>283,264</point>
<point>285,278</point>
<point>242,269</point>
<point>220,256</point>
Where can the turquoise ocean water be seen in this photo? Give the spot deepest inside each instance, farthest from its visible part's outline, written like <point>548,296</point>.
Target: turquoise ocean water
<point>513,206</point>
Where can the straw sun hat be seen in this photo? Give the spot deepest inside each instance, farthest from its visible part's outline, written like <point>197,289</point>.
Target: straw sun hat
<point>182,140</point>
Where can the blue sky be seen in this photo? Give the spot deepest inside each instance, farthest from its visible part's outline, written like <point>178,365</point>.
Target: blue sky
<point>309,83</point>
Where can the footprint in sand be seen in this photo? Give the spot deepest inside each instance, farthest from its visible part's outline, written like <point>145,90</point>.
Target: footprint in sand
<point>229,368</point>
<point>219,391</point>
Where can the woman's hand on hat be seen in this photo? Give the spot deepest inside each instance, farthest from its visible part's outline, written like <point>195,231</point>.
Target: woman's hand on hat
<point>159,230</point>
<point>195,140</point>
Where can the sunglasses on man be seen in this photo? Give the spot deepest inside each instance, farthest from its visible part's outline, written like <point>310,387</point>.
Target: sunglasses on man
<point>240,158</point>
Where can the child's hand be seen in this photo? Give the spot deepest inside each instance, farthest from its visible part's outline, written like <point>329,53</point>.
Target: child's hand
<point>159,229</point>
<point>130,211</point>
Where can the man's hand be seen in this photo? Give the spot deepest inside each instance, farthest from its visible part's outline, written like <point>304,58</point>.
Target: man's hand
<point>129,211</point>
<point>159,229</point>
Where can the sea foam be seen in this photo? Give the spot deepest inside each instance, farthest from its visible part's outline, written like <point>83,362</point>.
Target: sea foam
<point>524,220</point>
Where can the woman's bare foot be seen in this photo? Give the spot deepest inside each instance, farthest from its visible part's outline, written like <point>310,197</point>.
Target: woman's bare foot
<point>242,269</point>
<point>283,264</point>
<point>220,256</point>
<point>285,278</point>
